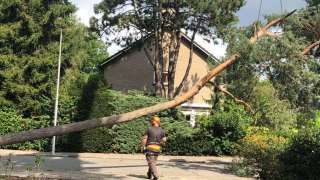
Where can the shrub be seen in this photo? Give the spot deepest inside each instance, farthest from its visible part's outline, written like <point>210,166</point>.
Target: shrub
<point>260,150</point>
<point>301,160</point>
<point>225,127</point>
<point>122,138</point>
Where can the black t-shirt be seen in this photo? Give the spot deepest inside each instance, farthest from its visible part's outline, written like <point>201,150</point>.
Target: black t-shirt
<point>155,134</point>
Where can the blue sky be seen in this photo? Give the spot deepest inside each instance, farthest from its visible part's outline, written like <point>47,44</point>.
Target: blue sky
<point>247,15</point>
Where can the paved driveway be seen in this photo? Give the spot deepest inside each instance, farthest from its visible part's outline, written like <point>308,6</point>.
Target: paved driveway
<point>112,166</point>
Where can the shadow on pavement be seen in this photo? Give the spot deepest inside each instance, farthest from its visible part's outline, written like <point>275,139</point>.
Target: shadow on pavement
<point>137,176</point>
<point>210,165</point>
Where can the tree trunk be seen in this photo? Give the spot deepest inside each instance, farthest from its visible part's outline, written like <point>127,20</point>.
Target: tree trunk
<point>173,58</point>
<point>158,52</point>
<point>121,118</point>
<point>188,67</point>
<point>157,65</point>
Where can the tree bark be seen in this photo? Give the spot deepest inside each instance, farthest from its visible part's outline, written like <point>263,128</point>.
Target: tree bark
<point>121,118</point>
<point>158,84</point>
<point>173,58</point>
<point>157,65</point>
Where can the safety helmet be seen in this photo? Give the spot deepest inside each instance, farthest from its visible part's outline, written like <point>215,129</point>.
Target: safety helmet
<point>155,119</point>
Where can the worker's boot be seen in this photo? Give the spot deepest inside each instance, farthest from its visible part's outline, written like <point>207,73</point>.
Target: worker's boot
<point>149,175</point>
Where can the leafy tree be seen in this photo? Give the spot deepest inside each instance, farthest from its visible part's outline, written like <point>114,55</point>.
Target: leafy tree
<point>164,20</point>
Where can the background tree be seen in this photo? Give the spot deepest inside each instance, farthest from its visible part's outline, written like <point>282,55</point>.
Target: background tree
<point>29,45</point>
<point>164,20</point>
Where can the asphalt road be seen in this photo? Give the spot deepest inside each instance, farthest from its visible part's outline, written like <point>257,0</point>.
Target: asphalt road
<point>111,166</point>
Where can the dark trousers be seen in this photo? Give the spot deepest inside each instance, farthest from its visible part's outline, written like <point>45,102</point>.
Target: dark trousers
<point>152,163</point>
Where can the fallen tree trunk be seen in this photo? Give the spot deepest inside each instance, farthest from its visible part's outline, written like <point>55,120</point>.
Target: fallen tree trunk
<point>115,119</point>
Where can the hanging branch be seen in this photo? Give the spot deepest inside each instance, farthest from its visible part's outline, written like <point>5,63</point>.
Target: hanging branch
<point>121,118</point>
<point>148,56</point>
<point>226,92</point>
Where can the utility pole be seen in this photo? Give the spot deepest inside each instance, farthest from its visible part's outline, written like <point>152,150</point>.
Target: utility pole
<point>57,96</point>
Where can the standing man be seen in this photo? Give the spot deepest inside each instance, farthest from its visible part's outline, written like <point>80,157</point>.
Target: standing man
<point>151,145</point>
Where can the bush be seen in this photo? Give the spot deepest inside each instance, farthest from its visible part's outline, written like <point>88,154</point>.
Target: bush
<point>260,151</point>
<point>301,160</point>
<point>121,138</point>
<point>225,128</point>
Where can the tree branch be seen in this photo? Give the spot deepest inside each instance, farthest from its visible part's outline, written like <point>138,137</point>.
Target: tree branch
<point>149,58</point>
<point>309,48</point>
<point>224,91</point>
<point>190,61</point>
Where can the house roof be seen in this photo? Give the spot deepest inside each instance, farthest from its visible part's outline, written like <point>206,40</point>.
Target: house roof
<point>134,45</point>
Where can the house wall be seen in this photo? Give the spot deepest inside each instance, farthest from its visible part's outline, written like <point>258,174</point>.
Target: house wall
<point>132,71</point>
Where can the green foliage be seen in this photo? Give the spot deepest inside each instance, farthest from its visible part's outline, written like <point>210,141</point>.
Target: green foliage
<point>230,122</point>
<point>99,101</point>
<point>29,46</point>
<point>240,168</point>
<point>295,78</point>
<point>215,135</point>
<point>301,160</point>
<point>226,127</point>
<point>273,156</point>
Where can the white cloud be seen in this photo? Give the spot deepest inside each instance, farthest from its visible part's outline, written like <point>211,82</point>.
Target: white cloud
<point>85,9</point>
